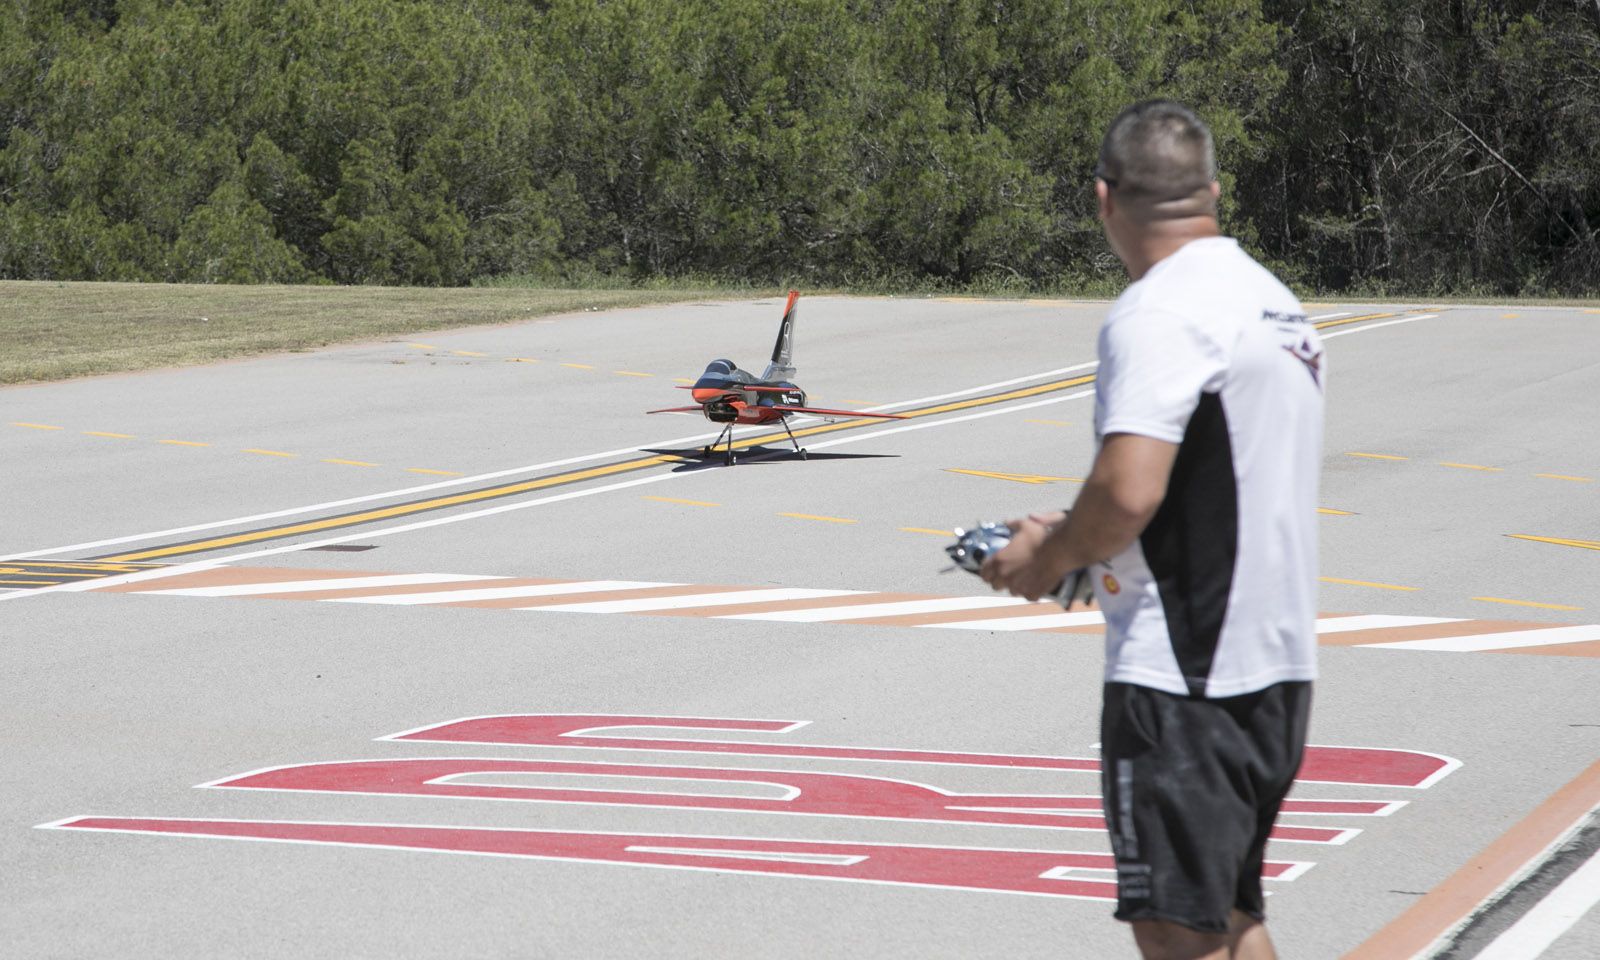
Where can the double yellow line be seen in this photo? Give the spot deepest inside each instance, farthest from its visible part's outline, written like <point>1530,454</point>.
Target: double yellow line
<point>593,473</point>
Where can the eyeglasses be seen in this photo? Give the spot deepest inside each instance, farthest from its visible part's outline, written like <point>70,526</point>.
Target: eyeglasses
<point>1099,173</point>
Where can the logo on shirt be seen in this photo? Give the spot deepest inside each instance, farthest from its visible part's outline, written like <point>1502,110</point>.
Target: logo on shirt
<point>1111,584</point>
<point>1310,355</point>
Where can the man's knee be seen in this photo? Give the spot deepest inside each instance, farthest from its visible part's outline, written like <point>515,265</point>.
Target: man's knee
<point>1160,940</point>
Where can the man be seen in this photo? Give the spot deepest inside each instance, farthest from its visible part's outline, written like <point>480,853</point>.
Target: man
<point>1197,524</point>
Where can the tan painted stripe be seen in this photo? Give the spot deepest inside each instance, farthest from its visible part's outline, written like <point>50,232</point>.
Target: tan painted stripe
<point>1562,476</point>
<point>405,588</point>
<point>1376,456</point>
<point>631,373</point>
<point>579,366</point>
<point>468,353</point>
<point>779,606</point>
<point>522,360</point>
<point>114,436</point>
<point>1590,648</point>
<point>232,577</point>
<point>1334,513</point>
<point>34,426</point>
<point>554,599</point>
<point>947,534</point>
<point>348,463</point>
<point>1470,466</point>
<point>184,443</point>
<point>441,473</point>
<point>1466,890</point>
<point>1427,631</point>
<point>269,453</point>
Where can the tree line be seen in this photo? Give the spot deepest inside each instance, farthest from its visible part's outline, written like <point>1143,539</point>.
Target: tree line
<point>1441,146</point>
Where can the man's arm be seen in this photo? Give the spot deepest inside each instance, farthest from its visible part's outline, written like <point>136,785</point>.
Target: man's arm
<point>1123,491</point>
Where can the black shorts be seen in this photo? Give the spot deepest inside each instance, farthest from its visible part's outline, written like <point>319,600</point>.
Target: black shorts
<point>1191,789</point>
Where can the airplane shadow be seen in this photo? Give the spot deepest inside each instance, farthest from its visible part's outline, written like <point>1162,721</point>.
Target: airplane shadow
<point>696,459</point>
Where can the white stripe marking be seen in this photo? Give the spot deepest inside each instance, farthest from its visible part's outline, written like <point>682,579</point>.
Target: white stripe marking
<point>1543,925</point>
<point>825,859</point>
<point>1376,622</point>
<point>1374,326</point>
<point>502,593</point>
<point>306,586</point>
<point>722,599</point>
<point>1497,641</point>
<point>1082,618</point>
<point>897,608</point>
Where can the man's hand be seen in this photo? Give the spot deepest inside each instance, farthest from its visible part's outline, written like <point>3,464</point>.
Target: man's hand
<point>1024,567</point>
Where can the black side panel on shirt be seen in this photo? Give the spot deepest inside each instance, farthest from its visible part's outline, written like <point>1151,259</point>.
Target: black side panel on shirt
<point>1191,543</point>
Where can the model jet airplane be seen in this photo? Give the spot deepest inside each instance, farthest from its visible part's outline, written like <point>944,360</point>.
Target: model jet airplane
<point>729,396</point>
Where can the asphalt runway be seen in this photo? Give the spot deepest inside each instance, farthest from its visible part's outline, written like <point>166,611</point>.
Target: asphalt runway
<point>369,606</point>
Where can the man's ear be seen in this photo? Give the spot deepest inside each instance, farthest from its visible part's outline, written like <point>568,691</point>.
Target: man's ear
<point>1103,191</point>
<point>1216,190</point>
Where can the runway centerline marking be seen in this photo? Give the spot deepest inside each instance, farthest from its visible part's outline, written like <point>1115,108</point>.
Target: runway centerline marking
<point>1375,456</point>
<point>1471,466</point>
<point>1366,583</point>
<point>1562,476</point>
<point>269,453</point>
<point>113,436</point>
<point>812,516</point>
<point>691,503</point>
<point>1527,603</point>
<point>34,426</point>
<point>1033,478</point>
<point>184,443</point>
<point>1558,541</point>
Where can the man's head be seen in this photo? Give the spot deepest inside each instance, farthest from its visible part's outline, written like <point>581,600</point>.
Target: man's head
<point>1157,177</point>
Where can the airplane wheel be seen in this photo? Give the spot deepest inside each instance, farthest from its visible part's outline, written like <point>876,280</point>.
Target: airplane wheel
<point>802,454</point>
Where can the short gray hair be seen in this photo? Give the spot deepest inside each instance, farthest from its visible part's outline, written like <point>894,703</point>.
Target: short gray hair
<point>1158,150</point>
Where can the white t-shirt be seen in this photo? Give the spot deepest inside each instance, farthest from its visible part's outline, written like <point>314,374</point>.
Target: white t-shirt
<point>1217,597</point>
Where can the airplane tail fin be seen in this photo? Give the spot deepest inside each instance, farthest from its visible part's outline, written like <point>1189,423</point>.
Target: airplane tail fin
<point>782,365</point>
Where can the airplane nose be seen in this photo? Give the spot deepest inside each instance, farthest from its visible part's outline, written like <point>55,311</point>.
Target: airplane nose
<point>705,394</point>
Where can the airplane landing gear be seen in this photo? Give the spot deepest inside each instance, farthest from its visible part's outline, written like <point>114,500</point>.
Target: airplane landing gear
<point>797,448</point>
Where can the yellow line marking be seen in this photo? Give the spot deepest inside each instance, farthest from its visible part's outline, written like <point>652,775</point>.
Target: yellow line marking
<point>947,534</point>
<point>579,366</point>
<point>631,373</point>
<point>1348,320</point>
<point>270,453</point>
<point>560,479</point>
<point>681,380</point>
<point>1051,423</point>
<point>114,436</point>
<point>54,573</point>
<point>1470,466</point>
<point>1527,603</point>
<point>812,516</point>
<point>1375,456</point>
<point>422,346</point>
<point>1562,476</point>
<point>1584,544</point>
<point>384,513</point>
<point>437,473</point>
<point>1335,513</point>
<point>1014,477</point>
<point>349,463</point>
<point>25,583</point>
<point>468,353</point>
<point>1366,583</point>
<point>184,443</point>
<point>521,360</point>
<point>1509,316</point>
<point>33,426</point>
<point>82,565</point>
<point>692,503</point>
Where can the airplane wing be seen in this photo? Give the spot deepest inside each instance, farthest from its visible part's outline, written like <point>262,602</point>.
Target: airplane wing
<point>694,409</point>
<point>819,412</point>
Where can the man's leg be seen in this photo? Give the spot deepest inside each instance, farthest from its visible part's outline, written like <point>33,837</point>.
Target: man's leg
<point>1246,939</point>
